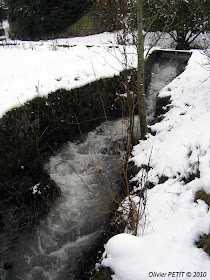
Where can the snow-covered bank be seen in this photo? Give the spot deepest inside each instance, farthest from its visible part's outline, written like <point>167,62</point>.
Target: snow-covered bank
<point>32,68</point>
<point>29,69</point>
<point>174,221</point>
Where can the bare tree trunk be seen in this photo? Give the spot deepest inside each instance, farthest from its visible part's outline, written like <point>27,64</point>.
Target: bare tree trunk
<point>140,75</point>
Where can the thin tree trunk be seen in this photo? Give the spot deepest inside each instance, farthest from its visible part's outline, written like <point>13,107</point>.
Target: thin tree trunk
<point>140,75</point>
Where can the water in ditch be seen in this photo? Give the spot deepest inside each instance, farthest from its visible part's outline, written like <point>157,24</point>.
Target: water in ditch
<point>88,175</point>
<point>162,73</point>
<point>82,171</point>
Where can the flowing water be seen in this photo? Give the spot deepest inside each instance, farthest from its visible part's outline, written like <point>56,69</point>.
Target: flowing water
<point>81,170</point>
<point>162,74</point>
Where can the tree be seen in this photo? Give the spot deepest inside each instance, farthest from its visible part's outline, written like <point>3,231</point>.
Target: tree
<point>183,20</point>
<point>190,19</point>
<point>129,15</point>
<point>37,19</point>
<point>2,11</point>
<point>2,16</point>
<point>140,75</point>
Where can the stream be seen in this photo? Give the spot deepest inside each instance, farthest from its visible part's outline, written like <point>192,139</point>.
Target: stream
<point>81,169</point>
<point>77,217</point>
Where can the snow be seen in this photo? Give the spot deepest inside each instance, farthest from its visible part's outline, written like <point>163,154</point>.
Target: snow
<point>29,69</point>
<point>35,189</point>
<point>181,146</point>
<point>173,220</point>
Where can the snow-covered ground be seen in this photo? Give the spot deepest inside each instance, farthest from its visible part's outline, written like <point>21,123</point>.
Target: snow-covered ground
<point>181,145</point>
<point>32,68</point>
<point>174,221</point>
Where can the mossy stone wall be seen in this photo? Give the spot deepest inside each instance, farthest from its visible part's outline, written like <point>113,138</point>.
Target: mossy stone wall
<point>30,132</point>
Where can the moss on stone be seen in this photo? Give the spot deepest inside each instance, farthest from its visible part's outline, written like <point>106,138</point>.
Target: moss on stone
<point>201,194</point>
<point>204,241</point>
<point>162,105</point>
<point>104,273</point>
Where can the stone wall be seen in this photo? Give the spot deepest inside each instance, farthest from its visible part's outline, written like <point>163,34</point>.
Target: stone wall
<point>29,133</point>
